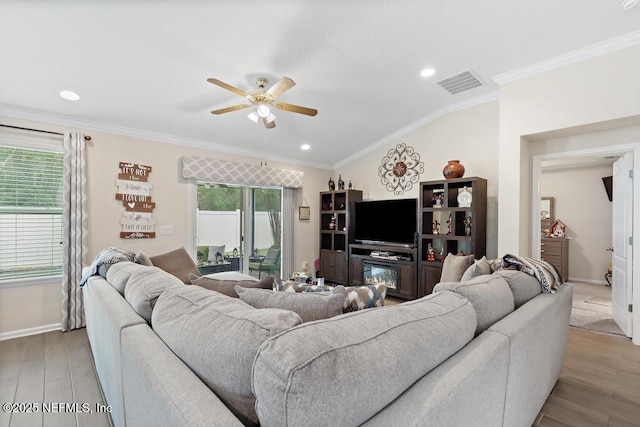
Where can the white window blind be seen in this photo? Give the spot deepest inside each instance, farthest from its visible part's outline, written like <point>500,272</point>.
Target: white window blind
<point>30,213</point>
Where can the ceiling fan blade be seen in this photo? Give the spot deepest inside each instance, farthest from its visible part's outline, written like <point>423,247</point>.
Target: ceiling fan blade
<point>268,125</point>
<point>229,109</point>
<point>281,86</point>
<point>296,109</point>
<point>228,87</point>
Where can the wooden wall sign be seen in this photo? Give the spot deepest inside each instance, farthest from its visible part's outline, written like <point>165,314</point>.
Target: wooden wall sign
<point>134,192</point>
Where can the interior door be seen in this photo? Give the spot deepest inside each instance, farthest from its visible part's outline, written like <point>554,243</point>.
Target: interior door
<point>621,292</point>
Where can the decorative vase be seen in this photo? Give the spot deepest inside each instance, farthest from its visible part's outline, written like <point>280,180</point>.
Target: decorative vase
<point>453,169</point>
<point>332,184</point>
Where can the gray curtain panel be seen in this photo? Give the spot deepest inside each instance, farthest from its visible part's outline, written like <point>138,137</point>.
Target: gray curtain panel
<point>288,218</point>
<point>74,230</point>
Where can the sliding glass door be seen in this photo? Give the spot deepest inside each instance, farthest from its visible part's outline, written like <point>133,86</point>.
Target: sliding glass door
<point>239,228</point>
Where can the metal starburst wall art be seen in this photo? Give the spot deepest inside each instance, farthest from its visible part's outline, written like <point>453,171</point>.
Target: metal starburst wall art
<point>400,169</point>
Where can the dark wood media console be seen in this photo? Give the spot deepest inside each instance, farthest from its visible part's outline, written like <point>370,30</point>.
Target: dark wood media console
<point>397,267</point>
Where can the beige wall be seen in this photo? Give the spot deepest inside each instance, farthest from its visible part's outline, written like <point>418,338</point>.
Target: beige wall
<point>600,89</point>
<point>469,135</point>
<point>581,203</point>
<point>29,307</point>
<point>574,99</point>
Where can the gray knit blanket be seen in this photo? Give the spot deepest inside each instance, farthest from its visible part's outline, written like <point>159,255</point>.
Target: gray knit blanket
<point>544,271</point>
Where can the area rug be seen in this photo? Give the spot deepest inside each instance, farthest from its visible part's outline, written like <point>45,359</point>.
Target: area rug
<point>592,309</point>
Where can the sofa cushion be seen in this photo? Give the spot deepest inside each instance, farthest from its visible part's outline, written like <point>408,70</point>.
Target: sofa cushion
<point>177,262</point>
<point>118,275</point>
<point>218,338</point>
<point>309,305</point>
<point>144,286</point>
<point>227,286</point>
<point>361,297</point>
<point>343,370</point>
<point>479,267</point>
<point>490,295</point>
<point>454,267</point>
<point>523,286</point>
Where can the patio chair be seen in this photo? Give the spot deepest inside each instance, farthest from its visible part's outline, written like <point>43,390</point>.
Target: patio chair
<point>270,262</point>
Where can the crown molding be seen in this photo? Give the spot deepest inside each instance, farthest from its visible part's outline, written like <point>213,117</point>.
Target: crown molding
<point>471,102</point>
<point>60,120</point>
<point>578,55</point>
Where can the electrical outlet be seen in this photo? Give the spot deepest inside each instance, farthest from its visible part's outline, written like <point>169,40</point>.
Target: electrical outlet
<point>167,230</point>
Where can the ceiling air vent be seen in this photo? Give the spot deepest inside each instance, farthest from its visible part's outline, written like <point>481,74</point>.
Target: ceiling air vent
<point>460,82</point>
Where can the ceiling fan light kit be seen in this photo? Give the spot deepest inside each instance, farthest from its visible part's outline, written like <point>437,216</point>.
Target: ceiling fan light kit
<point>262,100</point>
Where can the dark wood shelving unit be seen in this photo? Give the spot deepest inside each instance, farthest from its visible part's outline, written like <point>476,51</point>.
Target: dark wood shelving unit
<point>451,218</point>
<point>336,206</point>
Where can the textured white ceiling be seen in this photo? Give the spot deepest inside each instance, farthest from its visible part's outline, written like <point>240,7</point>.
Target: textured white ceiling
<point>142,66</point>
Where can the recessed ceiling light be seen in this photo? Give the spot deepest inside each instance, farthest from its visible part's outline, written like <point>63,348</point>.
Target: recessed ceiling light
<point>427,72</point>
<point>629,4</point>
<point>69,95</point>
<point>305,146</point>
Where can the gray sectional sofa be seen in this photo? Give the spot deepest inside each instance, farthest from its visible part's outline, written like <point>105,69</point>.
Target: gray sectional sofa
<point>483,352</point>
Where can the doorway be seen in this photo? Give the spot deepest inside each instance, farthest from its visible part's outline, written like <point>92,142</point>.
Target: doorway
<point>236,226</point>
<point>587,299</point>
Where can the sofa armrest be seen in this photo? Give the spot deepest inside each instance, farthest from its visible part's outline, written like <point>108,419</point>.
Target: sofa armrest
<point>537,333</point>
<point>159,389</point>
<point>107,314</point>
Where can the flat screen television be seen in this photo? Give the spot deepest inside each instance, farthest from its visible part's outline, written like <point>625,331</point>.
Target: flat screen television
<point>392,222</point>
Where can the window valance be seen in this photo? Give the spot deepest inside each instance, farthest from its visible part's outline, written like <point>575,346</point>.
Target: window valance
<point>239,173</point>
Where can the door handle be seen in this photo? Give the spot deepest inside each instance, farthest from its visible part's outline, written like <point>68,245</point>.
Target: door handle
<point>609,249</point>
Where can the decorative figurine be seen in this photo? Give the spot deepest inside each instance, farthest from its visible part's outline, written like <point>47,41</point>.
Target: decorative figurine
<point>558,229</point>
<point>350,185</point>
<point>467,226</point>
<point>442,257</point>
<point>332,223</point>
<point>341,206</point>
<point>332,185</point>
<point>431,256</point>
<point>435,227</point>
<point>464,198</point>
<point>449,225</point>
<point>340,183</point>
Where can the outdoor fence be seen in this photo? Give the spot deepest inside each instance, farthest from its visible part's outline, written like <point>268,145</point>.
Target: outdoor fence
<point>224,228</point>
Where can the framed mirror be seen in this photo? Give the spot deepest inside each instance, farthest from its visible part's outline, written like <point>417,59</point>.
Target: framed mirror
<point>547,215</point>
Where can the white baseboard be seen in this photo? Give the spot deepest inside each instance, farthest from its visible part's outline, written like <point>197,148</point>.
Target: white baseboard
<point>30,331</point>
<point>593,282</point>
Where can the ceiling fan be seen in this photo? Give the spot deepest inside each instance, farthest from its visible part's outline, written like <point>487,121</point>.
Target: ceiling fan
<point>263,100</point>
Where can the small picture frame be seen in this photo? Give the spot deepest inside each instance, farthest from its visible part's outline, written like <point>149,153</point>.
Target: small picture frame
<point>304,212</point>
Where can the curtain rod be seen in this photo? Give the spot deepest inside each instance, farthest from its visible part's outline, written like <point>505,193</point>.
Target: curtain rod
<point>86,137</point>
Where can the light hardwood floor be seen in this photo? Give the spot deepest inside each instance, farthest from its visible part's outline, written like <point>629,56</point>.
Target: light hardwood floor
<point>599,386</point>
<point>53,367</point>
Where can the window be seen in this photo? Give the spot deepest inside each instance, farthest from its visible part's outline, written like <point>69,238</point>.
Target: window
<point>31,183</point>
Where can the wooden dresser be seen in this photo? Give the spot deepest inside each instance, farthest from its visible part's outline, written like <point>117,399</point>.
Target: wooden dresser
<point>556,252</point>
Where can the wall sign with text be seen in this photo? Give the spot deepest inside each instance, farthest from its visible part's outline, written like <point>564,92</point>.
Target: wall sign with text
<point>134,192</point>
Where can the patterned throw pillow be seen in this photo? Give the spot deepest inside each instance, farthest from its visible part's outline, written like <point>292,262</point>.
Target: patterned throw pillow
<point>286,286</point>
<point>361,297</point>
